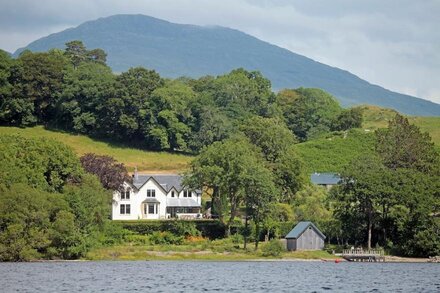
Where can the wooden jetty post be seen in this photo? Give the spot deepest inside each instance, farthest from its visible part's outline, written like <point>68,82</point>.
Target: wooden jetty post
<point>358,254</point>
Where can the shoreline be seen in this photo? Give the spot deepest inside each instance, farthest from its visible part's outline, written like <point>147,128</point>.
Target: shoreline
<point>388,259</point>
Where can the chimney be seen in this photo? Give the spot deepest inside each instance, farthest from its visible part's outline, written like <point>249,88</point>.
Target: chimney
<point>136,175</point>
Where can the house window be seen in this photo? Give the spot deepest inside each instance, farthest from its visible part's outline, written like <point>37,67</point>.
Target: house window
<point>187,193</point>
<point>125,194</point>
<point>124,209</point>
<point>172,193</point>
<point>151,193</point>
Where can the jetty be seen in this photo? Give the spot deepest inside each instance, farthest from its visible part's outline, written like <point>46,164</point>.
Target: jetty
<point>359,254</point>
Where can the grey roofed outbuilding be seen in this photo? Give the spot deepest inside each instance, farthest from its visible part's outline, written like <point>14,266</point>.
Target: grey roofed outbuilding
<point>182,202</point>
<point>167,182</point>
<point>301,227</point>
<point>325,178</point>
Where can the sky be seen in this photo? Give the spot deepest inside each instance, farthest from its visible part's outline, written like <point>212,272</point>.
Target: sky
<point>392,43</point>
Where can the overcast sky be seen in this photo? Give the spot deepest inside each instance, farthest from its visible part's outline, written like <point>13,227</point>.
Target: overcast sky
<point>392,43</point>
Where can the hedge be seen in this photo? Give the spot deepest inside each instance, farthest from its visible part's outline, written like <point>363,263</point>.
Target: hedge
<point>212,229</point>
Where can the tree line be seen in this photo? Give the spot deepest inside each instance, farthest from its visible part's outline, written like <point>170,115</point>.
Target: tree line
<point>74,89</point>
<point>243,134</point>
<point>49,206</point>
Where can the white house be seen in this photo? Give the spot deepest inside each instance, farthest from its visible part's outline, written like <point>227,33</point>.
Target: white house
<point>155,197</point>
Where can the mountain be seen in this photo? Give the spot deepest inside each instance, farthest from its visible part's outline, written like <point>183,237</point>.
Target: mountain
<point>188,50</point>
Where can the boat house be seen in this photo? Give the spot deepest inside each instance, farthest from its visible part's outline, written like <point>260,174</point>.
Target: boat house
<point>305,236</point>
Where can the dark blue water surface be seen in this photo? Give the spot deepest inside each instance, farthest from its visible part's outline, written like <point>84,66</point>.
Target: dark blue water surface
<point>191,276</point>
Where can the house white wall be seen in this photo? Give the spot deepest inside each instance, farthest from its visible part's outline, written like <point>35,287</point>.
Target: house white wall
<point>137,197</point>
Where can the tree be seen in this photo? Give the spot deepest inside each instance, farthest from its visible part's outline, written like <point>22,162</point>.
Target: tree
<point>76,51</point>
<point>130,109</point>
<point>364,190</point>
<point>225,170</point>
<point>260,191</point>
<point>97,55</point>
<point>111,173</point>
<point>347,119</point>
<point>84,97</point>
<point>310,204</point>
<point>310,112</point>
<point>275,141</point>
<point>25,216</point>
<point>211,125</point>
<point>6,62</point>
<point>403,145</point>
<point>40,163</point>
<point>49,208</point>
<point>278,213</point>
<point>242,92</point>
<point>37,81</point>
<point>169,126</point>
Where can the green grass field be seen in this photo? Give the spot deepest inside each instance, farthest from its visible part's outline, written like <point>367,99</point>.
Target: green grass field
<point>321,155</point>
<point>333,153</point>
<point>160,162</point>
<point>196,252</point>
<point>375,117</point>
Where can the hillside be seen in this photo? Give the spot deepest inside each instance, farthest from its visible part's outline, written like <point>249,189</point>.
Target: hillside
<point>333,153</point>
<point>143,160</point>
<point>188,50</point>
<point>320,155</point>
<point>375,117</point>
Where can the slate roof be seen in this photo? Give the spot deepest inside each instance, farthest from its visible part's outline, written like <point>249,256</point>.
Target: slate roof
<point>151,200</point>
<point>182,202</point>
<point>325,178</point>
<point>301,227</point>
<point>166,181</point>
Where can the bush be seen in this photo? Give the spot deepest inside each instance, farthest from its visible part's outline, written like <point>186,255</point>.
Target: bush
<point>137,239</point>
<point>183,228</point>
<point>207,228</point>
<point>273,248</point>
<point>114,233</point>
<point>165,238</point>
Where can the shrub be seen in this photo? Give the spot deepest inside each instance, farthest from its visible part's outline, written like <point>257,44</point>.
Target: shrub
<point>114,233</point>
<point>137,239</point>
<point>183,228</point>
<point>207,228</point>
<point>273,248</point>
<point>161,238</point>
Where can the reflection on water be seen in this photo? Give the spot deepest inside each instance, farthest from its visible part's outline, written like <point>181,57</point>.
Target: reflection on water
<point>189,276</point>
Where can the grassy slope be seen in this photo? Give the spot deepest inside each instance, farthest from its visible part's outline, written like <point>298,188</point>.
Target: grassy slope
<point>331,154</point>
<point>321,155</point>
<point>375,117</point>
<point>144,160</point>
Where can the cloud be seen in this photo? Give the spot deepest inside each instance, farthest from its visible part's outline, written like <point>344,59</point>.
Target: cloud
<point>395,44</point>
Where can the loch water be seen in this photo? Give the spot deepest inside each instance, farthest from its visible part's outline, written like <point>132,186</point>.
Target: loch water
<point>207,276</point>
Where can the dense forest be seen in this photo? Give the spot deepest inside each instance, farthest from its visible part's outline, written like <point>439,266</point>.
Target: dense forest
<point>247,140</point>
<point>75,90</point>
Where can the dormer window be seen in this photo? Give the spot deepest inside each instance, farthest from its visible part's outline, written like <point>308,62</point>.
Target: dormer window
<point>125,194</point>
<point>172,193</point>
<point>187,193</point>
<point>151,193</point>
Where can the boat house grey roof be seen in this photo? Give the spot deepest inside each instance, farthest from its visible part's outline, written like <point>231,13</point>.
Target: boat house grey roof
<point>301,227</point>
<point>325,178</point>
